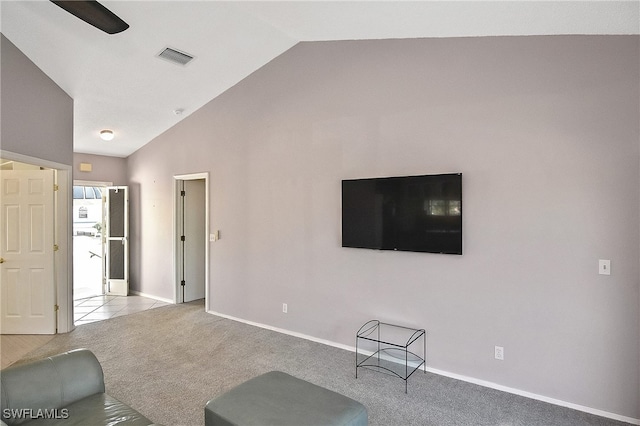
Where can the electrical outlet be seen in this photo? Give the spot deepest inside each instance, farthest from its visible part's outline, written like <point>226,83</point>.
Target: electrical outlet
<point>284,308</point>
<point>499,353</point>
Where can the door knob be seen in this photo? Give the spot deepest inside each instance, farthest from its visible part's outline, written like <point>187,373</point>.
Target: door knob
<point>1,260</point>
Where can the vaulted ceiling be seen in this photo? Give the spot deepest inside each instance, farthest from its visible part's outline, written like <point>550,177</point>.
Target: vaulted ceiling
<point>118,82</point>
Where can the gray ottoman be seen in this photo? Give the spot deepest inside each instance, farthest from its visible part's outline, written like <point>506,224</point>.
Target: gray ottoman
<point>276,398</point>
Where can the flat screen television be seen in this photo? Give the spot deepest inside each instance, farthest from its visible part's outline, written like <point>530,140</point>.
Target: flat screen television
<point>408,213</point>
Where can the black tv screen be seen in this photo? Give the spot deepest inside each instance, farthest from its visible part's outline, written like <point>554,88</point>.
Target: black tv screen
<point>409,213</point>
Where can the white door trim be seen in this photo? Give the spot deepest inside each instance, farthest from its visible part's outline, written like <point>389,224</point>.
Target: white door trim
<point>64,256</point>
<point>77,182</point>
<point>176,250</point>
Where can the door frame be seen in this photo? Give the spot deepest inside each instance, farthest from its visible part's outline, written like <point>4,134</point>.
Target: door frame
<point>101,184</point>
<point>108,239</point>
<point>177,297</point>
<point>63,258</point>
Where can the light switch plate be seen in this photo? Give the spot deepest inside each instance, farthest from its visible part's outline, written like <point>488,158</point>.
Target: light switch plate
<point>604,267</point>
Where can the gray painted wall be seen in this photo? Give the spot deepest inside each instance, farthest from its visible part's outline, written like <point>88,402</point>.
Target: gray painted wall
<point>104,168</point>
<point>37,115</point>
<point>545,131</point>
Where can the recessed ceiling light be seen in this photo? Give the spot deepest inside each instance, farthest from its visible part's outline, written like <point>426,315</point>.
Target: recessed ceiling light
<point>106,135</point>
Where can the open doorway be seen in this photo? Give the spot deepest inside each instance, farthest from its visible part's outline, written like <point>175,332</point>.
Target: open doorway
<point>88,222</point>
<point>191,237</point>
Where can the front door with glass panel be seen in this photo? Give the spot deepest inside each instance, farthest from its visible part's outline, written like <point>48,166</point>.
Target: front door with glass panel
<point>116,240</point>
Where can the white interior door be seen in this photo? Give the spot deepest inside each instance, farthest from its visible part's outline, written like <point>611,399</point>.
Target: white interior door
<point>116,240</point>
<point>27,285</point>
<point>193,244</point>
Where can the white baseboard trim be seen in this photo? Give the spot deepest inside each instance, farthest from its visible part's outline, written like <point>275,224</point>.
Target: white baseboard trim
<point>535,396</point>
<point>284,331</point>
<point>150,296</point>
<point>475,381</point>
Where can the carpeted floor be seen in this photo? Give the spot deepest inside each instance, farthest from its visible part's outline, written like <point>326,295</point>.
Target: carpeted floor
<point>168,362</point>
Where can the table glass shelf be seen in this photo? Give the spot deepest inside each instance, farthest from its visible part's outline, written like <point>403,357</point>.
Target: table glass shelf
<point>391,349</point>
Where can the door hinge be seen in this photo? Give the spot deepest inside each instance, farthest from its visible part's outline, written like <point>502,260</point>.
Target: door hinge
<point>56,308</point>
<point>183,238</point>
<point>183,283</point>
<point>55,187</point>
<point>183,193</point>
<point>55,247</point>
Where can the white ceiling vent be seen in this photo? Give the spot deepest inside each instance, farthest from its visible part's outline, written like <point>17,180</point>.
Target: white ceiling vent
<point>175,56</point>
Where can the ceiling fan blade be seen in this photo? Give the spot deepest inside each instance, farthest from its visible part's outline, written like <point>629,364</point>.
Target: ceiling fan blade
<point>92,12</point>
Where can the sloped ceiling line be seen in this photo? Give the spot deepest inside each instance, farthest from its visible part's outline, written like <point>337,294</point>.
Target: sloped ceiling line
<point>117,82</point>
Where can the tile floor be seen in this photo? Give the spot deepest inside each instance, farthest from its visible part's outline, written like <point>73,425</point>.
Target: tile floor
<point>99,308</point>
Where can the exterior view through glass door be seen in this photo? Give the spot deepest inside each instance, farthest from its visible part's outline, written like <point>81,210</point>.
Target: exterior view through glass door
<point>88,222</point>
<point>116,240</point>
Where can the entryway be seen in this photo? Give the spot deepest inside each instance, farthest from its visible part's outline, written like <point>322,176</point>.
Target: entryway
<point>100,308</point>
<point>88,220</point>
<point>191,237</point>
<point>100,239</point>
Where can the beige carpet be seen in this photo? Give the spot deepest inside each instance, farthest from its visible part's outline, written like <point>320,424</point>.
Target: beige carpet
<point>13,347</point>
<point>168,362</point>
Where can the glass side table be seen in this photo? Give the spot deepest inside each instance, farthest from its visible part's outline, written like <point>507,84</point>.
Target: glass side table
<point>387,348</point>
